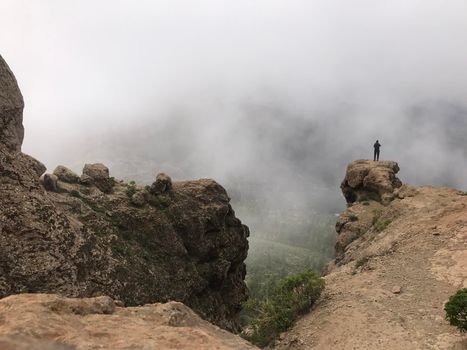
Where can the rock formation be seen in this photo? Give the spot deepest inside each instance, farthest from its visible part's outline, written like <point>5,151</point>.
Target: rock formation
<point>366,179</point>
<point>66,175</point>
<point>162,184</point>
<point>97,175</point>
<point>51,322</point>
<point>92,237</point>
<point>11,110</point>
<point>400,253</point>
<point>373,185</point>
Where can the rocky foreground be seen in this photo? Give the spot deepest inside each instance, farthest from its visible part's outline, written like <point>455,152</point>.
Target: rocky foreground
<point>51,322</point>
<point>90,235</point>
<point>400,253</point>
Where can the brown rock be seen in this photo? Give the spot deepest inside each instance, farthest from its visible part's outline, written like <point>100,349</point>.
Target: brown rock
<point>369,180</point>
<point>138,199</point>
<point>97,174</point>
<point>396,290</point>
<point>50,182</point>
<point>11,110</point>
<point>162,184</point>
<point>187,247</point>
<point>66,175</point>
<point>51,322</point>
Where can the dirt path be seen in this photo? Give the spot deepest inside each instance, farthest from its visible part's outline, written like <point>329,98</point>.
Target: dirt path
<point>396,299</point>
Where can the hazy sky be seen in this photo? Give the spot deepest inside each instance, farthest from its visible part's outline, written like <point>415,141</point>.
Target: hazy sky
<point>283,92</point>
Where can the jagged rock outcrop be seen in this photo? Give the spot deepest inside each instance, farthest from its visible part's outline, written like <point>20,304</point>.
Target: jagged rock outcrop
<point>66,175</point>
<point>397,263</point>
<point>98,175</point>
<point>51,322</point>
<point>366,179</point>
<point>11,110</point>
<point>89,238</point>
<point>373,185</point>
<point>162,184</point>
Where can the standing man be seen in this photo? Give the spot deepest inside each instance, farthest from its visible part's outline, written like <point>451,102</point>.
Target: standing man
<point>376,146</point>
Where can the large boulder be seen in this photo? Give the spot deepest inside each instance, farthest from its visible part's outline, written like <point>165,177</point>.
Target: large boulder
<point>50,182</point>
<point>97,174</point>
<point>370,180</point>
<point>11,110</point>
<point>66,175</point>
<point>162,184</point>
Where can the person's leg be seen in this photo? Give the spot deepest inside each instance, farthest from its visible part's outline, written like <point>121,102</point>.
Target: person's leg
<point>374,155</point>
<point>377,155</point>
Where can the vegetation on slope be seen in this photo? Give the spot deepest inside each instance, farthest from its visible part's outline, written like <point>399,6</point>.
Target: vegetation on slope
<point>293,296</point>
<point>285,246</point>
<point>302,243</point>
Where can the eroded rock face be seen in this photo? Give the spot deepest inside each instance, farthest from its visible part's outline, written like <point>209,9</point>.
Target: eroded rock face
<point>49,322</point>
<point>11,110</point>
<point>370,180</point>
<point>89,238</point>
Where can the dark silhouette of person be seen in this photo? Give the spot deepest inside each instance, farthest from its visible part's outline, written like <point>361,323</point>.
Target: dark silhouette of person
<point>376,146</point>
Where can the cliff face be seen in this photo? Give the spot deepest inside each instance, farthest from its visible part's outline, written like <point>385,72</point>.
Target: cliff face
<point>401,252</point>
<point>89,235</point>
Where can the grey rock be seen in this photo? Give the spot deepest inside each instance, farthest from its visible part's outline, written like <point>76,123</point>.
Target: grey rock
<point>66,175</point>
<point>50,182</point>
<point>97,174</point>
<point>162,184</point>
<point>11,110</point>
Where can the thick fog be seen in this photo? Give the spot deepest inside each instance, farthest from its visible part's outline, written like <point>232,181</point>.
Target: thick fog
<point>270,98</point>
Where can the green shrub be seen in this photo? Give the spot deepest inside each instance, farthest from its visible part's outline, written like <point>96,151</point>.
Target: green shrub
<point>293,296</point>
<point>353,217</point>
<point>131,190</point>
<point>456,310</point>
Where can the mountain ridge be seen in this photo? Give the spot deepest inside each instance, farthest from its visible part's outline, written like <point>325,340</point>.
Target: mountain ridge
<point>397,262</point>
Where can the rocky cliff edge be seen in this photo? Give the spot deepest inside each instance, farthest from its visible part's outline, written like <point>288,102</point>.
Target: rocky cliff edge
<point>401,251</point>
<point>90,235</point>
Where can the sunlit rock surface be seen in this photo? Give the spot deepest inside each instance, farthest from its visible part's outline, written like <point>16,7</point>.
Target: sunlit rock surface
<point>51,322</point>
